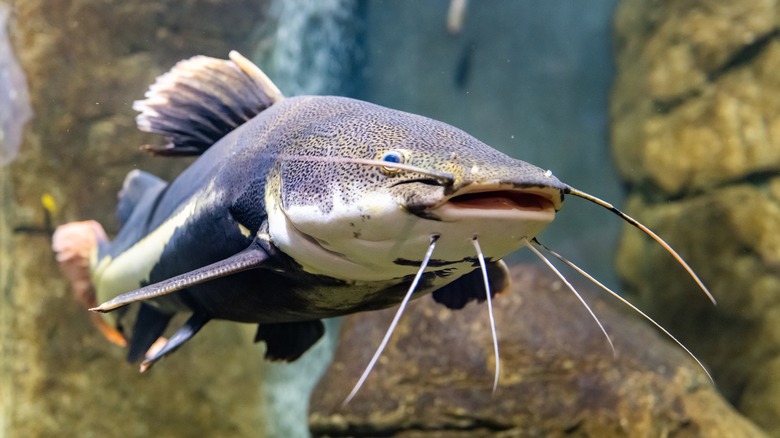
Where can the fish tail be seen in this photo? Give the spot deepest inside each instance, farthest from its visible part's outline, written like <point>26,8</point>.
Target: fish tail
<point>74,243</point>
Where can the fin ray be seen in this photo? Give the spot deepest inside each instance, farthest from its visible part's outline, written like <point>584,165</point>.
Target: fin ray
<point>148,327</point>
<point>200,100</point>
<point>184,334</point>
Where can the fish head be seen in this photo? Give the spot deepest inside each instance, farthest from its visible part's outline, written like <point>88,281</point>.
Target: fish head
<point>388,182</point>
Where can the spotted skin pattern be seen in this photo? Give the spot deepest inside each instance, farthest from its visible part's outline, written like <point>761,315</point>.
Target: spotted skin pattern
<point>297,189</point>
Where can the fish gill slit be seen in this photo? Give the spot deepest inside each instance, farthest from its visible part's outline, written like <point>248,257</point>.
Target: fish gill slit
<point>489,299</point>
<point>394,323</point>
<point>577,294</point>
<point>600,202</point>
<point>627,303</point>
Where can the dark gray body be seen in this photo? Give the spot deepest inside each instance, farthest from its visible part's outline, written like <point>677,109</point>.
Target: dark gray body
<point>238,168</point>
<point>291,213</point>
<point>309,207</point>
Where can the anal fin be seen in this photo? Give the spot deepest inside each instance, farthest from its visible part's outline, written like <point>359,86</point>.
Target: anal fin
<point>471,286</point>
<point>287,341</point>
<point>184,334</point>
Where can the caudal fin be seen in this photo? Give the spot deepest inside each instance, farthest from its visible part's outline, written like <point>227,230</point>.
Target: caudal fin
<point>73,244</point>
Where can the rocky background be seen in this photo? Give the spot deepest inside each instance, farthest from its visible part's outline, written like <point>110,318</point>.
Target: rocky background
<point>696,134</point>
<point>559,377</point>
<point>86,61</point>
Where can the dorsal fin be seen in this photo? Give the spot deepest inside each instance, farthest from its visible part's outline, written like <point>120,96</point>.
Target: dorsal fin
<point>201,99</point>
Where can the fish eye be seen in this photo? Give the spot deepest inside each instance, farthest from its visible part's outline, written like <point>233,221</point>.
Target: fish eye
<point>392,157</point>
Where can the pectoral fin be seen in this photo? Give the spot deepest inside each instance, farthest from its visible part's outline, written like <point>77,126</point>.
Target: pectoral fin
<point>471,286</point>
<point>287,341</point>
<point>251,258</point>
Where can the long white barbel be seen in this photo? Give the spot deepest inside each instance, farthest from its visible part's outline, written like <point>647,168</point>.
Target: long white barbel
<point>577,294</point>
<point>490,311</point>
<point>627,303</point>
<point>572,191</point>
<point>394,323</point>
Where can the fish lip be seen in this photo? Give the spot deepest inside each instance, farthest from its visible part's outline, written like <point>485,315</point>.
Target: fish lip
<point>496,199</point>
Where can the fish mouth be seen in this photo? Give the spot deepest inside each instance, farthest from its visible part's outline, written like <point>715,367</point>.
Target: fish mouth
<point>499,203</point>
<point>501,200</point>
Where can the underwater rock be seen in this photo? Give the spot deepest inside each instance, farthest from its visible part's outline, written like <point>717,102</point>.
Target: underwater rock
<point>558,375</point>
<point>696,133</point>
<point>693,104</point>
<point>15,108</point>
<point>730,237</point>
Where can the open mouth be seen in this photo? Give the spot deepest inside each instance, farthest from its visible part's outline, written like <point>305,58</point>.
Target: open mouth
<point>502,200</point>
<point>502,203</point>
